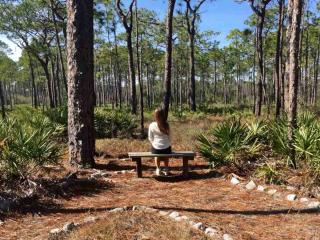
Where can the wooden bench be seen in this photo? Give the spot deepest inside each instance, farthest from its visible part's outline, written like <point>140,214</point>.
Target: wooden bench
<point>137,156</point>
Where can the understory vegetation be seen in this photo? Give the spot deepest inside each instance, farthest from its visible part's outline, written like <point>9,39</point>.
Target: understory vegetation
<point>264,143</point>
<point>31,139</point>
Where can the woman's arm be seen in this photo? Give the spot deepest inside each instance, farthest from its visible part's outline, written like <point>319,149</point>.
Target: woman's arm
<point>150,134</point>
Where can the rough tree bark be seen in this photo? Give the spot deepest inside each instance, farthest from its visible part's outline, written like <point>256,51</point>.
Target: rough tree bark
<point>33,84</point>
<point>80,82</point>
<point>126,19</point>
<point>139,66</point>
<point>316,74</point>
<point>278,58</point>
<point>168,57</point>
<point>2,99</point>
<point>191,15</point>
<point>58,45</point>
<point>293,41</point>
<point>259,8</point>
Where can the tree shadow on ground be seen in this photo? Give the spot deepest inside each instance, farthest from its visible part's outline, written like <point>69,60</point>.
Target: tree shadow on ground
<point>46,209</point>
<point>42,201</point>
<point>243,212</point>
<point>118,165</point>
<point>67,189</point>
<point>191,176</point>
<point>114,166</point>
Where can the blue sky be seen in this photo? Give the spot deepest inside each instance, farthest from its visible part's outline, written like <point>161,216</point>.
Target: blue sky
<point>218,15</point>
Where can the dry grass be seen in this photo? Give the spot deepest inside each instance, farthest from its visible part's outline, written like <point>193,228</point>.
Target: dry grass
<point>184,134</point>
<point>135,225</point>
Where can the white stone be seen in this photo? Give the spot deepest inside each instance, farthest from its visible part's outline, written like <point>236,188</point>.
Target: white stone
<point>137,207</point>
<point>1,222</point>
<point>199,226</point>
<point>260,188</point>
<point>178,219</point>
<point>227,237</point>
<point>272,191</point>
<point>234,181</point>
<point>185,218</point>
<point>303,200</point>
<point>174,215</point>
<point>290,188</point>
<point>55,231</point>
<point>163,213</point>
<point>192,223</point>
<point>149,209</point>
<point>314,204</point>
<point>117,210</point>
<point>251,185</point>
<point>69,226</point>
<point>291,197</point>
<point>210,231</point>
<point>123,171</point>
<point>97,175</point>
<point>90,219</point>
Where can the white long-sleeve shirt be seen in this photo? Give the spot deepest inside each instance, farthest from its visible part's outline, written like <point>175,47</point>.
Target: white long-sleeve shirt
<point>158,139</point>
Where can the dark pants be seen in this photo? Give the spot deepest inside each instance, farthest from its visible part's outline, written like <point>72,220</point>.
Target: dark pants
<point>161,151</point>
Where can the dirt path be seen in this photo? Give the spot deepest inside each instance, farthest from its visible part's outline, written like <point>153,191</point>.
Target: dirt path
<point>206,197</point>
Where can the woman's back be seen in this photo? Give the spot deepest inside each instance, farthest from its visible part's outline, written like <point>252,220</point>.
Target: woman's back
<point>158,139</point>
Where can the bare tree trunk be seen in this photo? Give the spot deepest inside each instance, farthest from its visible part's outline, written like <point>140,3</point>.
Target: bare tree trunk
<point>127,23</point>
<point>32,76</point>
<point>3,110</point>
<point>278,59</point>
<point>59,46</point>
<point>306,71</point>
<point>139,65</point>
<point>117,69</point>
<point>80,82</point>
<point>191,16</point>
<point>259,7</point>
<point>293,41</point>
<point>168,57</point>
<point>316,73</point>
<point>215,82</point>
<point>254,75</point>
<point>49,84</point>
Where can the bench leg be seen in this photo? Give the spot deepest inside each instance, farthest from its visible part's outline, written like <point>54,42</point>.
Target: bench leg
<point>185,167</point>
<point>139,167</point>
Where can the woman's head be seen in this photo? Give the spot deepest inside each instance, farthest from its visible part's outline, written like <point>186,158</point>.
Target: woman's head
<point>160,117</point>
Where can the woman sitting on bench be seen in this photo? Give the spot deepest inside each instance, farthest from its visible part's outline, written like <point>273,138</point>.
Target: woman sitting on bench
<point>159,136</point>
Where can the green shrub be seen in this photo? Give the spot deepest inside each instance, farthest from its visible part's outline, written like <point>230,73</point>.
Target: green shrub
<point>58,115</point>
<point>26,147</point>
<point>269,173</point>
<point>114,123</point>
<point>278,137</point>
<point>227,141</point>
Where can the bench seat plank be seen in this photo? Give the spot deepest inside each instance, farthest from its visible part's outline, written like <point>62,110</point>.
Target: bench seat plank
<point>173,154</point>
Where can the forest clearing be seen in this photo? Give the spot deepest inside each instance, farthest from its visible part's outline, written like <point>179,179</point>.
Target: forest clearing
<point>215,101</point>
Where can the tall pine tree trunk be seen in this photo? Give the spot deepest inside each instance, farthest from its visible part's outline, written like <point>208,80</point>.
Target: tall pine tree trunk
<point>278,59</point>
<point>293,41</point>
<point>168,57</point>
<point>80,82</point>
<point>2,99</point>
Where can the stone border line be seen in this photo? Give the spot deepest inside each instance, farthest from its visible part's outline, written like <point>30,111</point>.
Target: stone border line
<point>175,216</point>
<point>251,185</point>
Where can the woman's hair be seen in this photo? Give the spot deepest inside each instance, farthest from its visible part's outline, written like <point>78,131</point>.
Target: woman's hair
<point>160,117</point>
